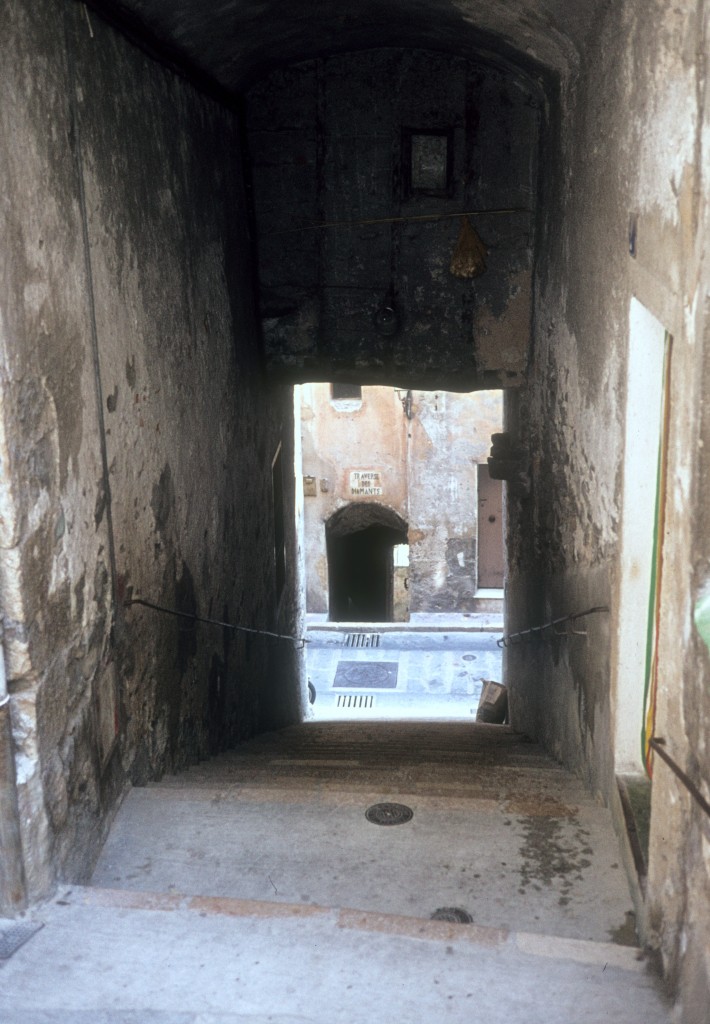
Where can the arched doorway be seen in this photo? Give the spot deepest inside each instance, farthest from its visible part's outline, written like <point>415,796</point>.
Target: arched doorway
<point>359,541</point>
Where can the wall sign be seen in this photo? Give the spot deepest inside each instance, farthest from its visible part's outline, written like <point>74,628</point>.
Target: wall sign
<point>365,483</point>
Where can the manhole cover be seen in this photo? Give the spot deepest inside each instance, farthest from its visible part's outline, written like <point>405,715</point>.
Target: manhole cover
<point>14,934</point>
<point>367,675</point>
<point>457,915</point>
<point>389,814</point>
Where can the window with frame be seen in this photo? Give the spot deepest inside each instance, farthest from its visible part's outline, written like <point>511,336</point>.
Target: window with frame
<point>427,161</point>
<point>345,393</point>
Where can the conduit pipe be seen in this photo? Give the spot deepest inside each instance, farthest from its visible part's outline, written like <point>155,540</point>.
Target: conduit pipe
<point>12,880</point>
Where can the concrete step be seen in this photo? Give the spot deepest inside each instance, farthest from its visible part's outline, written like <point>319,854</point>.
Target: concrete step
<point>419,622</point>
<point>116,957</point>
<point>471,759</point>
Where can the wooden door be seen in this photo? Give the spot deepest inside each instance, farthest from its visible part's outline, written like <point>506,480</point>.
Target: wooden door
<point>491,549</point>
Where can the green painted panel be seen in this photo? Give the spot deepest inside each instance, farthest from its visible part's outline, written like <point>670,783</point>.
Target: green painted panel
<point>702,618</point>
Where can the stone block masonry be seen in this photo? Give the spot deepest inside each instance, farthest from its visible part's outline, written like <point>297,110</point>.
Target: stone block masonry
<point>137,433</point>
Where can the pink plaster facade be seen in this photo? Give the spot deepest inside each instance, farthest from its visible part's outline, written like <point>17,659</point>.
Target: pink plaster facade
<point>415,453</point>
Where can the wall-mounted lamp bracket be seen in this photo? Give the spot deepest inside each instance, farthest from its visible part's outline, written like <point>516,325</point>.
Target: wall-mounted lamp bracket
<point>509,461</point>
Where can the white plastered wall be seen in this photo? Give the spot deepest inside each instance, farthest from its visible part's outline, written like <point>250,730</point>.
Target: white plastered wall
<point>647,341</point>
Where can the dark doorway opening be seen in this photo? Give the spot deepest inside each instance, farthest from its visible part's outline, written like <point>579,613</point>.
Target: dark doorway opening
<point>360,539</point>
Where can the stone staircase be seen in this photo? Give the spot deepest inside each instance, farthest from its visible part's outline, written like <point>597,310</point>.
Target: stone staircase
<point>254,888</point>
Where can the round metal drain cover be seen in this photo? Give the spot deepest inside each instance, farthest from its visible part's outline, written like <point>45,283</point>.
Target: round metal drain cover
<point>389,814</point>
<point>457,915</point>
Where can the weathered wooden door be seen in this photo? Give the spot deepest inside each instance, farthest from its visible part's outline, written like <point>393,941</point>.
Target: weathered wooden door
<point>491,549</point>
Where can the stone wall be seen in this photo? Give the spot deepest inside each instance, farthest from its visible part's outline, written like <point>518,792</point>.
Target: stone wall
<point>137,434</point>
<point>624,217</point>
<point>340,234</point>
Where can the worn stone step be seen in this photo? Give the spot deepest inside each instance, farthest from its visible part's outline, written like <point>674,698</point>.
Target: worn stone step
<point>124,957</point>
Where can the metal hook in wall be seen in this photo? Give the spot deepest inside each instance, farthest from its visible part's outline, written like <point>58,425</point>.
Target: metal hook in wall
<point>386,318</point>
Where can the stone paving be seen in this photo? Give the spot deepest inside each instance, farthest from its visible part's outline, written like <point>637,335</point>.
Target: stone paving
<point>254,889</point>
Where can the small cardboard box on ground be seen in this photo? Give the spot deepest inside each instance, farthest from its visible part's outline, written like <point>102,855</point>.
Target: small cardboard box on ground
<point>493,705</point>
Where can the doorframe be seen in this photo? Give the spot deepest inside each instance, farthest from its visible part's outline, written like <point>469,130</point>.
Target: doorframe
<point>486,589</point>
<point>641,536</point>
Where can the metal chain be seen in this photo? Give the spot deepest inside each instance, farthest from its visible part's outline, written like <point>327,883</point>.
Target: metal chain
<point>526,634</point>
<point>301,641</point>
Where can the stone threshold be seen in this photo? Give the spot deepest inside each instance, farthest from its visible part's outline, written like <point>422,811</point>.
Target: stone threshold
<point>582,951</point>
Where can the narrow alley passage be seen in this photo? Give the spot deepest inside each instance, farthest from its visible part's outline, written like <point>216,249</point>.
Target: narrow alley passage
<point>258,876</point>
<point>217,218</point>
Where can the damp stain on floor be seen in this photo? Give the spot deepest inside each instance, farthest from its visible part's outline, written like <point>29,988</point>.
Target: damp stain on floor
<point>625,934</point>
<point>554,853</point>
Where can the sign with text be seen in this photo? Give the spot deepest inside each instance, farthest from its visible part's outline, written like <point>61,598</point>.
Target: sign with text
<point>366,482</point>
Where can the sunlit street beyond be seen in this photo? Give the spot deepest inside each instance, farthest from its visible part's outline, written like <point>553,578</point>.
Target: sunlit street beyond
<point>433,668</point>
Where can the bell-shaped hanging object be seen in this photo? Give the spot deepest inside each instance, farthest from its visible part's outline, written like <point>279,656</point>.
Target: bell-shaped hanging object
<point>469,256</point>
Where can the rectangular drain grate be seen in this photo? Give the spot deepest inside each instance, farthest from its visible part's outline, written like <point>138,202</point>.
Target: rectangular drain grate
<point>362,640</point>
<point>355,700</point>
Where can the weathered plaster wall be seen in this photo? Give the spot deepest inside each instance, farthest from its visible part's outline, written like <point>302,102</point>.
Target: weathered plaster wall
<point>679,224</point>
<point>339,438</point>
<point>137,432</point>
<point>679,879</point>
<point>325,139</point>
<point>633,143</point>
<point>450,437</point>
<point>428,475</point>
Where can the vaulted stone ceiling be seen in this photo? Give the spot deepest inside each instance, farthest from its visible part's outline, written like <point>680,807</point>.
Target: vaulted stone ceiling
<point>232,42</point>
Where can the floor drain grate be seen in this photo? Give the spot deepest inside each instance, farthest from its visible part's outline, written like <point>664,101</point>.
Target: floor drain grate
<point>456,915</point>
<point>362,640</point>
<point>14,934</point>
<point>389,814</point>
<point>355,700</point>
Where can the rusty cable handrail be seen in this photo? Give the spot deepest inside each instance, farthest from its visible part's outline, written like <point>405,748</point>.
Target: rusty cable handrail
<point>301,641</point>
<point>658,744</point>
<point>524,634</point>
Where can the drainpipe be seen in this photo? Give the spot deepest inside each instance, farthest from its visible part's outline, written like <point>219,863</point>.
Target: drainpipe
<point>12,881</point>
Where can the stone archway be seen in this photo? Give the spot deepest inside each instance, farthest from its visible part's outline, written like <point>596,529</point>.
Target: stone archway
<point>359,540</point>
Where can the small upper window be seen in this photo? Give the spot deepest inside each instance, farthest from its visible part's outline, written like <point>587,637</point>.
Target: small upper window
<point>345,392</point>
<point>427,162</point>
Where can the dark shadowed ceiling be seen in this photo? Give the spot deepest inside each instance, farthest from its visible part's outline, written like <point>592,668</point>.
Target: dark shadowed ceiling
<point>231,42</point>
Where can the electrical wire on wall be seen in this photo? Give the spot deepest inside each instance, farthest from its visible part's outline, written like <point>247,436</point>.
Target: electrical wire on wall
<point>402,219</point>
<point>654,605</point>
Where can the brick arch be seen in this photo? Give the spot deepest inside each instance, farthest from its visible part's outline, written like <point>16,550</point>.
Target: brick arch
<point>359,515</point>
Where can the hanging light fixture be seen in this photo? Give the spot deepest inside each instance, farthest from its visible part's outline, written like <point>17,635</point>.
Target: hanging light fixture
<point>469,256</point>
